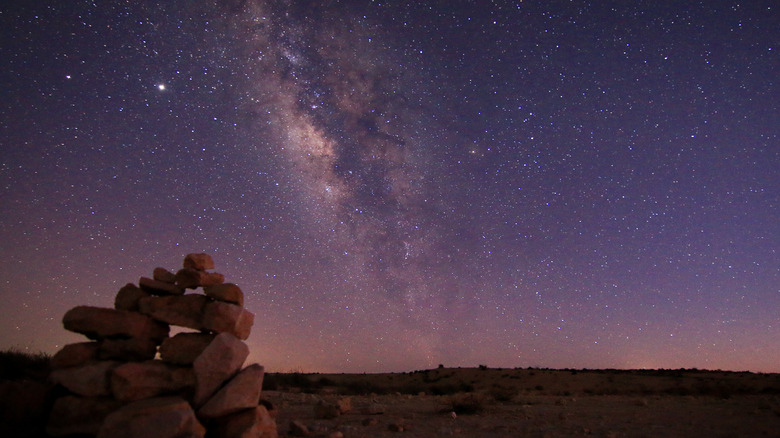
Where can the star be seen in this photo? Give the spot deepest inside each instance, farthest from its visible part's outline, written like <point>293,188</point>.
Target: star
<point>404,185</point>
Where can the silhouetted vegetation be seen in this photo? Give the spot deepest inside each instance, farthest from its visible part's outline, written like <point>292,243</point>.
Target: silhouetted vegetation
<point>17,365</point>
<point>452,381</point>
<point>467,404</point>
<point>286,381</point>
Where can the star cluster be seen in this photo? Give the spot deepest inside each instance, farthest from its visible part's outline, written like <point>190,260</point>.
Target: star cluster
<point>396,185</point>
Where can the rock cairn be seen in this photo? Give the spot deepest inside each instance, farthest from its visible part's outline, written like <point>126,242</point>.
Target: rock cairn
<point>134,380</point>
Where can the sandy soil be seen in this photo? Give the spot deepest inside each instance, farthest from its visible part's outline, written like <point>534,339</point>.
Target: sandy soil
<point>536,416</point>
<point>538,403</point>
<point>482,402</point>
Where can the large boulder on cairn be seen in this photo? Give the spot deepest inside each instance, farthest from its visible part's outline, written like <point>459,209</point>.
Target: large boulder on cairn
<point>192,278</point>
<point>249,423</point>
<point>184,348</point>
<point>193,273</point>
<point>133,349</point>
<point>227,292</point>
<point>157,287</point>
<point>72,415</point>
<point>163,417</point>
<point>201,262</point>
<point>241,392</point>
<point>220,361</point>
<point>73,355</point>
<point>127,297</point>
<point>225,317</point>
<point>183,311</point>
<point>164,275</point>
<point>90,380</point>
<point>139,380</point>
<point>102,323</point>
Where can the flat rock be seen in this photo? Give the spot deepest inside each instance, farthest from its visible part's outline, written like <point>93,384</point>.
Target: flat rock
<point>90,380</point>
<point>183,348</point>
<point>164,275</point>
<point>190,278</point>
<point>71,415</point>
<point>73,355</point>
<point>162,417</point>
<point>269,406</point>
<point>200,261</point>
<point>326,410</point>
<point>374,409</point>
<point>297,428</point>
<point>212,279</point>
<point>183,310</point>
<point>227,292</point>
<point>241,392</point>
<point>127,297</point>
<point>344,404</point>
<point>220,361</point>
<point>101,323</point>
<point>249,423</point>
<point>156,287</point>
<point>224,317</point>
<point>139,380</point>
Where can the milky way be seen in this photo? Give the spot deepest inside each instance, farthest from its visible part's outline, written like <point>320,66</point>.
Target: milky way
<point>339,111</point>
<point>399,185</point>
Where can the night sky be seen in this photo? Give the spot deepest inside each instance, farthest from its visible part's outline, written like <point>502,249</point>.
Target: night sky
<point>396,185</point>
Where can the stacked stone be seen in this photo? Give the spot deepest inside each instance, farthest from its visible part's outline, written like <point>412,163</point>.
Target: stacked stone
<point>134,380</point>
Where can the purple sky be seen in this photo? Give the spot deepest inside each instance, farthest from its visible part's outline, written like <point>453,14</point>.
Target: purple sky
<point>551,184</point>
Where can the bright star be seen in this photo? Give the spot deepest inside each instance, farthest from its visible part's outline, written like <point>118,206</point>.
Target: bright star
<point>161,87</point>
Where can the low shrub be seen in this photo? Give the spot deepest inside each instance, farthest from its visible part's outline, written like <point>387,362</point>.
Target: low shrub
<point>17,365</point>
<point>502,394</point>
<point>467,404</point>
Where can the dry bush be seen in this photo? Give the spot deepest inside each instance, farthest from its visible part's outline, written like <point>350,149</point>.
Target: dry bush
<point>16,365</point>
<point>467,404</point>
<point>502,394</point>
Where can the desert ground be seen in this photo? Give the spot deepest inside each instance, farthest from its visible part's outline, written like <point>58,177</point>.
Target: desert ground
<point>483,402</point>
<point>473,402</point>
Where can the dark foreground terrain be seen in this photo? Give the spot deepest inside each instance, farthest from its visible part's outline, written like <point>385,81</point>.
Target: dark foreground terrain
<point>473,402</point>
<point>482,402</point>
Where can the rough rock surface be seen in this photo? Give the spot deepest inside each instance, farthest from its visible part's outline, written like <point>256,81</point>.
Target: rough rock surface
<point>184,348</point>
<point>73,415</point>
<point>134,349</point>
<point>192,278</point>
<point>140,380</point>
<point>73,355</point>
<point>241,392</point>
<point>249,423</point>
<point>116,386</point>
<point>220,361</point>
<point>127,297</point>
<point>225,317</point>
<point>157,287</point>
<point>101,323</point>
<point>164,275</point>
<point>184,311</point>
<point>201,262</point>
<point>297,428</point>
<point>90,380</point>
<point>164,417</point>
<point>227,292</point>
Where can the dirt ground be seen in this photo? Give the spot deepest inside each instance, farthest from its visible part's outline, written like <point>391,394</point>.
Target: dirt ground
<point>535,416</point>
<point>481,402</point>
